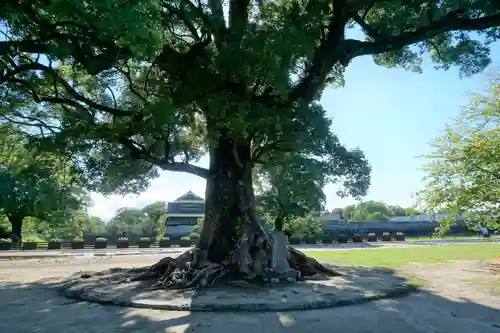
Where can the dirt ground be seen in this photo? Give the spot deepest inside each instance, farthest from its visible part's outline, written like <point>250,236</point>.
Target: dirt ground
<point>456,297</point>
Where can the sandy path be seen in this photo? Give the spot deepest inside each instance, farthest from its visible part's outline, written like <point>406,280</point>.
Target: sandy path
<point>30,307</point>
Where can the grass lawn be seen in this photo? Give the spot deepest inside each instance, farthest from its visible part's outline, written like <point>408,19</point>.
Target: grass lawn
<point>427,238</point>
<point>399,257</point>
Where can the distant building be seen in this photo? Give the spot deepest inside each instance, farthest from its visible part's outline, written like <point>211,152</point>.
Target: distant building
<point>182,215</point>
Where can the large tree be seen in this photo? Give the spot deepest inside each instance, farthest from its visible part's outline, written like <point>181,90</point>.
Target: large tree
<point>130,87</point>
<point>463,172</point>
<point>35,184</point>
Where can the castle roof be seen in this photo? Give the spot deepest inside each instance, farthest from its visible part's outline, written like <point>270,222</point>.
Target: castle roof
<point>189,196</point>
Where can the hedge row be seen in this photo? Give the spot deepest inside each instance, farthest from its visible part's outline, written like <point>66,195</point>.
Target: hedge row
<point>166,243</point>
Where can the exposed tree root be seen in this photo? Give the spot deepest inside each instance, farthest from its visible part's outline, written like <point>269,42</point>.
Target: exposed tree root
<point>188,271</point>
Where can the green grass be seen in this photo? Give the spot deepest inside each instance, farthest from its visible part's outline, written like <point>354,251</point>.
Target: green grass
<point>399,257</point>
<point>427,238</point>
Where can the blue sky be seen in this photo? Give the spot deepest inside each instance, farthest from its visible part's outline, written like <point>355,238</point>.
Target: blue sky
<point>391,114</point>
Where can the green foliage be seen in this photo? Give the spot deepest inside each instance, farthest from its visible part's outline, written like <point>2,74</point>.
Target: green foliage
<point>463,173</point>
<point>36,186</point>
<point>136,223</point>
<point>304,227</point>
<point>368,211</point>
<point>295,187</point>
<point>121,86</point>
<point>194,236</point>
<point>34,238</point>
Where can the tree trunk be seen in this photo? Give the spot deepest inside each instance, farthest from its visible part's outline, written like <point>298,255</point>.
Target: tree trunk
<point>229,199</point>
<point>17,225</point>
<point>232,244</point>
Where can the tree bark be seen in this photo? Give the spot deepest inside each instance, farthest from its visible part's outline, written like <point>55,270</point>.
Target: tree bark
<point>17,225</point>
<point>229,199</point>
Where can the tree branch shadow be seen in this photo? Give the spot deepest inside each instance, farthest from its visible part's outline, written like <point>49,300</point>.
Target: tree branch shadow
<point>38,307</point>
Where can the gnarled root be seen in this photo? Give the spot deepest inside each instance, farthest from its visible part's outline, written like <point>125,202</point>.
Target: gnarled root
<point>308,266</point>
<point>189,271</point>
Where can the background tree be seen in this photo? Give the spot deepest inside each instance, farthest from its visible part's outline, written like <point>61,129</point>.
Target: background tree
<point>295,187</point>
<point>123,88</point>
<point>463,172</point>
<point>155,213</point>
<point>35,184</point>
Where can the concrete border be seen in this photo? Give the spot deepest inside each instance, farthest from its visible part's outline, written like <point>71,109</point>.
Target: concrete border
<point>358,285</point>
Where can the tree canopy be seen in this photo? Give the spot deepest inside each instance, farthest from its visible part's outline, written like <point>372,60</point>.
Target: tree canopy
<point>135,223</point>
<point>34,184</point>
<point>463,172</point>
<point>130,87</point>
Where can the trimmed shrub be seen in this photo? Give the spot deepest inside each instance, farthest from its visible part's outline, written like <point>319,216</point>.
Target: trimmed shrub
<point>144,242</point>
<point>5,243</point>
<point>54,244</point>
<point>77,243</point>
<point>386,237</point>
<point>327,239</point>
<point>342,238</point>
<point>101,243</point>
<point>165,242</point>
<point>357,238</point>
<point>122,243</point>
<point>185,242</point>
<point>30,245</point>
<point>400,236</point>
<point>372,237</point>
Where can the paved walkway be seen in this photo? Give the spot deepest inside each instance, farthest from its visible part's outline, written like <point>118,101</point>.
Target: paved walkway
<point>27,306</point>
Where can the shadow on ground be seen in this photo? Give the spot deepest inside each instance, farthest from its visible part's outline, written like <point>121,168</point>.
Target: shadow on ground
<point>37,307</point>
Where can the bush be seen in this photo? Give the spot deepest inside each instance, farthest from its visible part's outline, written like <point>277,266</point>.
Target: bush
<point>372,237</point>
<point>194,236</point>
<point>101,243</point>
<point>33,239</point>
<point>165,242</point>
<point>54,244</point>
<point>342,238</point>
<point>29,245</point>
<point>144,242</point>
<point>400,236</point>
<point>77,243</point>
<point>5,243</point>
<point>357,238</point>
<point>122,243</point>
<point>386,237</point>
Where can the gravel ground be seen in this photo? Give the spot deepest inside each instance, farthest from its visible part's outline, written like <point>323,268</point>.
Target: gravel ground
<point>455,299</point>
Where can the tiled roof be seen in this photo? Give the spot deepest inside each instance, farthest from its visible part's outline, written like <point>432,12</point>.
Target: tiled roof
<point>189,196</point>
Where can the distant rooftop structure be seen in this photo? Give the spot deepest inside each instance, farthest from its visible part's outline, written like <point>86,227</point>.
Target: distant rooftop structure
<point>189,197</point>
<point>420,218</point>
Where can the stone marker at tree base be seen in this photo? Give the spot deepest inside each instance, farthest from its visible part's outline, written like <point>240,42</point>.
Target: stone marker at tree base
<point>280,268</point>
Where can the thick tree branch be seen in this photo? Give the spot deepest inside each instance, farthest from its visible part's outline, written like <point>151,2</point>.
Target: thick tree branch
<point>451,22</point>
<point>141,153</point>
<point>76,97</point>
<point>218,22</point>
<point>323,59</point>
<point>238,19</point>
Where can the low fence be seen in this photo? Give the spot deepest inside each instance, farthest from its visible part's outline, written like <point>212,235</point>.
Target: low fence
<point>325,239</point>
